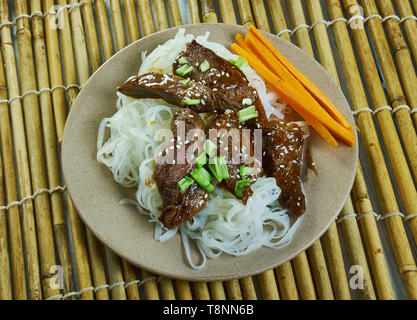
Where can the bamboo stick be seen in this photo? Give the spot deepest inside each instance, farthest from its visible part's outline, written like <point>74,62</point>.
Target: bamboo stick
<point>201,291</point>
<point>104,29</point>
<point>268,285</point>
<point>371,238</point>
<point>118,24</point>
<point>227,11</point>
<point>349,226</point>
<point>132,20</point>
<point>175,12</point>
<point>355,250</point>
<point>118,292</point>
<point>260,15</point>
<point>233,290</point>
<point>129,273</point>
<point>304,278</point>
<point>33,127</point>
<point>50,145</point>
<point>392,141</point>
<point>91,34</point>
<point>209,14</point>
<point>415,5</point>
<point>245,13</point>
<point>401,52</point>
<point>183,290</point>
<point>94,248</point>
<point>58,96</point>
<point>286,281</point>
<point>161,14</point>
<point>150,287</point>
<point>248,289</point>
<point>394,88</point>
<point>146,17</point>
<point>217,290</point>
<point>10,188</point>
<point>394,224</point>
<point>410,25</point>
<point>300,263</point>
<point>167,289</point>
<point>338,274</point>
<point>278,18</point>
<point>5,276</point>
<point>194,11</point>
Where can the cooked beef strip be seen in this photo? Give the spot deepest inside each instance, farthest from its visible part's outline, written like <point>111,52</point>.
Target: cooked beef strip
<point>222,76</point>
<point>283,145</point>
<point>180,206</point>
<point>173,90</point>
<point>224,124</point>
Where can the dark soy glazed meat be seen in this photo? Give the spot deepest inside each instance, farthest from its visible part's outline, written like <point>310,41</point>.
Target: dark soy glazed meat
<point>180,206</point>
<point>228,123</point>
<point>283,157</point>
<point>173,90</point>
<point>222,76</point>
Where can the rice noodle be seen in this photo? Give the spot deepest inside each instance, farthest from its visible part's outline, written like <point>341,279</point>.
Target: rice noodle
<point>225,224</point>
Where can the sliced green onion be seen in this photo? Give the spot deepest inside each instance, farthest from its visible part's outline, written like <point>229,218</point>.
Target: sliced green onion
<point>201,160</point>
<point>240,186</point>
<point>219,168</point>
<point>203,178</point>
<point>240,62</point>
<point>247,114</point>
<point>183,70</point>
<point>185,183</point>
<point>247,102</point>
<point>245,171</point>
<point>204,66</point>
<point>232,61</point>
<point>186,81</point>
<point>210,148</point>
<point>191,102</point>
<point>183,60</point>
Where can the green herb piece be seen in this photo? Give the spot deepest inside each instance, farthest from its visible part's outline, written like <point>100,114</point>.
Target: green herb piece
<point>219,168</point>
<point>191,102</point>
<point>201,160</point>
<point>240,186</point>
<point>183,60</point>
<point>204,66</point>
<point>210,148</point>
<point>247,114</point>
<point>186,81</point>
<point>185,183</point>
<point>183,70</point>
<point>245,171</point>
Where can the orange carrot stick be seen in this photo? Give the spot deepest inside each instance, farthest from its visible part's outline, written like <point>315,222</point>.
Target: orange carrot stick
<point>241,42</point>
<point>302,105</point>
<point>327,104</point>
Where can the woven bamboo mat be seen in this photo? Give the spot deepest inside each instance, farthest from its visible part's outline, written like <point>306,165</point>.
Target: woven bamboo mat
<point>370,49</point>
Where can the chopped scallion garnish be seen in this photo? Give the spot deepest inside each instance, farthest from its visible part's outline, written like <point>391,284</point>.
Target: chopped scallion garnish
<point>204,66</point>
<point>201,160</point>
<point>183,70</point>
<point>240,186</point>
<point>245,171</point>
<point>239,62</point>
<point>203,178</point>
<point>219,168</point>
<point>210,148</point>
<point>191,102</point>
<point>247,102</point>
<point>247,114</point>
<point>185,183</point>
<point>186,81</point>
<point>183,60</point>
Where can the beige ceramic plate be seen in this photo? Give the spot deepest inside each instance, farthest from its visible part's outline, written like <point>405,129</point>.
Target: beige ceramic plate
<point>96,195</point>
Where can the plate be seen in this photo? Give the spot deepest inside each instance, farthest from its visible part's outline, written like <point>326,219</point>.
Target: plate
<point>96,195</point>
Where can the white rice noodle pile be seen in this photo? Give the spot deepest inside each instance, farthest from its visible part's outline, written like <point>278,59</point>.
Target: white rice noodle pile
<point>127,146</point>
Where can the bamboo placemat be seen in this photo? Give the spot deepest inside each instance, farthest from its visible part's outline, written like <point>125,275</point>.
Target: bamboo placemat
<point>369,47</point>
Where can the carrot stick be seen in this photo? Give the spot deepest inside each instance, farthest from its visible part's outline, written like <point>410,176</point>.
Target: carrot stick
<point>297,100</point>
<point>327,104</point>
<point>241,42</point>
